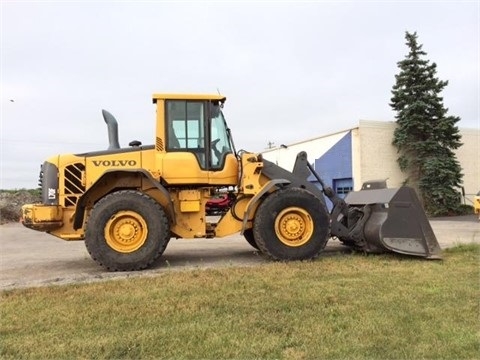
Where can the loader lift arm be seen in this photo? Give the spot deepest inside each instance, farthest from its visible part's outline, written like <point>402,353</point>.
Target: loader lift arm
<point>340,214</point>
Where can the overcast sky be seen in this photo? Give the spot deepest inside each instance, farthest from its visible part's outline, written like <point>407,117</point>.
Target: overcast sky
<point>290,70</point>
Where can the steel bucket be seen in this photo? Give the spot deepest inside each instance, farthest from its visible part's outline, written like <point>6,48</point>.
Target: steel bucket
<point>395,222</point>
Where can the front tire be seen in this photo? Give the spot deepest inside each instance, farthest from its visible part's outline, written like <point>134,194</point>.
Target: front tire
<point>248,234</point>
<point>291,224</point>
<point>127,230</point>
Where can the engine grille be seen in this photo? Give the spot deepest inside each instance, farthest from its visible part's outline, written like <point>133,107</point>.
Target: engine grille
<point>73,185</point>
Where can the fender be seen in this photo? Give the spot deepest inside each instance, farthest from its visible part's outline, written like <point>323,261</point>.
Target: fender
<point>79,215</point>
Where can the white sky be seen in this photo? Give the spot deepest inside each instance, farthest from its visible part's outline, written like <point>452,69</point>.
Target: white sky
<point>290,70</point>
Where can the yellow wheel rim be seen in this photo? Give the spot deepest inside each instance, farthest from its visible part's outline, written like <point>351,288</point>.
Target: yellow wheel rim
<point>126,231</point>
<point>294,226</point>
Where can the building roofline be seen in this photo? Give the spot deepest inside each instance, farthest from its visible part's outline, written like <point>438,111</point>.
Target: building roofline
<point>363,123</point>
<point>311,139</point>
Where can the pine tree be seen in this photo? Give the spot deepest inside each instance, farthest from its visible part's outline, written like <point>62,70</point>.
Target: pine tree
<point>426,136</point>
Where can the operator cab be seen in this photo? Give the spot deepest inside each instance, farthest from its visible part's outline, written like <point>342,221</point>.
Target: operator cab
<point>195,136</point>
<point>200,128</point>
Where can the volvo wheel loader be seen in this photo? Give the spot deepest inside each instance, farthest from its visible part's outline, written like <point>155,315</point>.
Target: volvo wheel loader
<point>127,203</point>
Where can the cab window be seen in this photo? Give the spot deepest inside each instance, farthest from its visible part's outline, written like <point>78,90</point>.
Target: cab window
<point>220,141</point>
<point>186,128</point>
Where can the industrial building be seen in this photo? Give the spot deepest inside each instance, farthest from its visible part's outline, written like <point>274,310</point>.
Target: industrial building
<point>348,158</point>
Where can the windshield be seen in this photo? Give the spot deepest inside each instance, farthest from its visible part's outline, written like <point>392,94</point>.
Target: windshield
<point>220,136</point>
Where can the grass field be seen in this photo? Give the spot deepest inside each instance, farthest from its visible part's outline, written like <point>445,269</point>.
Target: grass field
<point>341,307</point>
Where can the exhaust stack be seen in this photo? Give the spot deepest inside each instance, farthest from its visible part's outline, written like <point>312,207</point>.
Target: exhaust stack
<point>112,126</point>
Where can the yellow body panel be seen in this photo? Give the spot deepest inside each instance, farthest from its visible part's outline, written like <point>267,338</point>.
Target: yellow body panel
<point>251,180</point>
<point>148,169</point>
<point>190,224</point>
<point>179,168</point>
<point>53,219</point>
<point>229,224</point>
<point>182,168</point>
<point>476,204</point>
<point>189,201</point>
<point>171,96</point>
<point>97,165</point>
<point>228,175</point>
<point>46,216</point>
<point>190,206</point>
<point>67,232</point>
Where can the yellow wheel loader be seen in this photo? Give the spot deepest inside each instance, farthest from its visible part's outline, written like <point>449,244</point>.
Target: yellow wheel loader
<point>128,202</point>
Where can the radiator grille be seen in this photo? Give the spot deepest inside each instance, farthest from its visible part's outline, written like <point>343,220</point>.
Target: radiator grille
<point>73,183</point>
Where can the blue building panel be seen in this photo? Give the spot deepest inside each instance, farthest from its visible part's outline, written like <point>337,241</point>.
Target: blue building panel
<point>335,167</point>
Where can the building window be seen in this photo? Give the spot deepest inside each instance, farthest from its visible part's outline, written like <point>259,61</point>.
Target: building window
<point>343,190</point>
<point>343,186</point>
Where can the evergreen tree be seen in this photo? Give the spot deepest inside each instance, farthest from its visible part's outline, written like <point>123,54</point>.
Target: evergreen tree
<point>426,135</point>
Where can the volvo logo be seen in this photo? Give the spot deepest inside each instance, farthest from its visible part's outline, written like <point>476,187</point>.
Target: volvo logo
<point>114,163</point>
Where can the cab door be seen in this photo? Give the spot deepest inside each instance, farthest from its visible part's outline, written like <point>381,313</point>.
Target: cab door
<point>198,145</point>
<point>223,164</point>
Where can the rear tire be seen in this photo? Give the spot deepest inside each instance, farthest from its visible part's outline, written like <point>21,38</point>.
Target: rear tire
<point>291,224</point>
<point>127,230</point>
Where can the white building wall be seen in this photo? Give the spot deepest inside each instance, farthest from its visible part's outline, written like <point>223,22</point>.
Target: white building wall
<point>378,157</point>
<point>374,157</point>
<point>316,147</point>
<point>469,157</point>
<point>356,159</point>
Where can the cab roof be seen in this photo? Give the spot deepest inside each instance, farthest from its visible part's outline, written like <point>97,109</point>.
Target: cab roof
<point>214,97</point>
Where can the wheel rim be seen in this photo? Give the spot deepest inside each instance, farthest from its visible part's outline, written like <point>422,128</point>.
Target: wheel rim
<point>294,226</point>
<point>126,231</point>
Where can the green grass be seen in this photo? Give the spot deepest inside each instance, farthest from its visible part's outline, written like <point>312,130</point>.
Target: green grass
<point>339,307</point>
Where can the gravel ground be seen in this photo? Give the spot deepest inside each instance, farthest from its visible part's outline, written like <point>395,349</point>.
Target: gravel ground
<point>30,258</point>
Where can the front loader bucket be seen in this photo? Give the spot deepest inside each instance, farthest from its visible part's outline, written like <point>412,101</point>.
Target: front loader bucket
<point>394,220</point>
